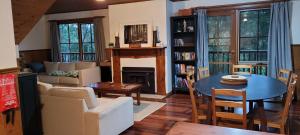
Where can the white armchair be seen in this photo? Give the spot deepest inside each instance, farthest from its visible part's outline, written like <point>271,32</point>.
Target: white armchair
<point>77,111</point>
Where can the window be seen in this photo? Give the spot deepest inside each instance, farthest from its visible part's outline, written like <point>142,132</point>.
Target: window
<point>77,42</point>
<point>219,29</point>
<point>253,36</point>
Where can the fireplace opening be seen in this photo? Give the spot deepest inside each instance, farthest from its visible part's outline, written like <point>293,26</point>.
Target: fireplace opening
<point>141,75</point>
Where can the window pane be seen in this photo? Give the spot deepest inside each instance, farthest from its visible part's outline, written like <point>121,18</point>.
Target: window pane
<point>212,27</point>
<point>248,44</point>
<point>87,47</point>
<point>264,22</point>
<point>93,35</point>
<point>93,48</point>
<point>86,32</point>
<point>225,26</point>
<point>263,44</point>
<point>64,48</point>
<point>64,33</point>
<point>74,47</point>
<point>248,23</point>
<point>74,33</point>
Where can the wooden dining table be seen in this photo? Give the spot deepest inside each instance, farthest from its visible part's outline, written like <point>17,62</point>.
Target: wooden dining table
<point>184,128</point>
<point>258,89</point>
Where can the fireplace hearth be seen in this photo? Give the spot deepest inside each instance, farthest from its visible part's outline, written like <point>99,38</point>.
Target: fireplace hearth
<point>141,75</point>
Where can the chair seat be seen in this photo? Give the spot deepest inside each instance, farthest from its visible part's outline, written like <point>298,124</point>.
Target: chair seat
<point>273,119</point>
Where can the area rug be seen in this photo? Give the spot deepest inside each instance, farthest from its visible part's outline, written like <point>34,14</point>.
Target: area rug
<point>145,109</point>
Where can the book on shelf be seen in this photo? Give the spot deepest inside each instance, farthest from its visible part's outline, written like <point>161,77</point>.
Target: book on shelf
<point>183,68</point>
<point>188,56</point>
<point>179,83</point>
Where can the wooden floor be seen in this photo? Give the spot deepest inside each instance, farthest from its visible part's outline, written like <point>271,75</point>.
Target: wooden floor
<point>178,108</point>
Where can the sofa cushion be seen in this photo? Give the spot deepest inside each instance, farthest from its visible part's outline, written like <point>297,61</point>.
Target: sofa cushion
<point>48,79</point>
<point>85,93</point>
<point>66,67</point>
<point>68,80</point>
<point>85,65</point>
<point>51,66</point>
<point>43,88</point>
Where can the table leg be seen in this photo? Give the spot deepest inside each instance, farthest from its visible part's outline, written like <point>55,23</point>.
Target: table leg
<point>250,106</point>
<point>262,115</point>
<point>138,97</point>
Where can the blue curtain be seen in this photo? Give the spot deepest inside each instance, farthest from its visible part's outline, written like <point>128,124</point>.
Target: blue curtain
<point>202,39</point>
<point>279,43</point>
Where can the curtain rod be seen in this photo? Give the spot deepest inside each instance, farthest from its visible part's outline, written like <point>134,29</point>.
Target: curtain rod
<point>77,19</point>
<point>241,5</point>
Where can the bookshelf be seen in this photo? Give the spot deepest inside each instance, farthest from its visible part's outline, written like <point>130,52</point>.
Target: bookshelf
<point>183,50</point>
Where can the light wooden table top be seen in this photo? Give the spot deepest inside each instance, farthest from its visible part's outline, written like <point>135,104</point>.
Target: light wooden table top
<point>184,128</point>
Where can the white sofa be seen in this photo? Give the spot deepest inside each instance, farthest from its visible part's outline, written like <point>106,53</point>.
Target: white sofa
<point>88,73</point>
<point>77,111</point>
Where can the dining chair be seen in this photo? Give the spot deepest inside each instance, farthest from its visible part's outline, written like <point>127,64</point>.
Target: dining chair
<point>241,69</point>
<point>230,117</point>
<point>284,75</point>
<point>279,119</point>
<point>200,106</point>
<point>203,72</point>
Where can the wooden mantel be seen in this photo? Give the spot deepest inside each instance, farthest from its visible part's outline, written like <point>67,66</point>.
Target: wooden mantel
<point>143,52</point>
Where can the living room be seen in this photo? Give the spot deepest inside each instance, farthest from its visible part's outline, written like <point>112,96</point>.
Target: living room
<point>148,66</point>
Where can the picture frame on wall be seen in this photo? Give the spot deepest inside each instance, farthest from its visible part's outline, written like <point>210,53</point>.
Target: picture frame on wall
<point>136,33</point>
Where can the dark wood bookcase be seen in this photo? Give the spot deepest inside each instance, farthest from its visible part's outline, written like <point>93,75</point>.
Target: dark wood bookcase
<point>183,50</point>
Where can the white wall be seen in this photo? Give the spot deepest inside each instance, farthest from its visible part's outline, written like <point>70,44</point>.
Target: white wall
<point>38,38</point>
<point>7,51</point>
<point>153,13</point>
<point>296,22</point>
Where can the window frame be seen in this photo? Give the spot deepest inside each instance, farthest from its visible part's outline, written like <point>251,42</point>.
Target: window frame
<point>239,37</point>
<point>79,23</point>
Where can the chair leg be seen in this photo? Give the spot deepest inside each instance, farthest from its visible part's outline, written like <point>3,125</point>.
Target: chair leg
<point>282,129</point>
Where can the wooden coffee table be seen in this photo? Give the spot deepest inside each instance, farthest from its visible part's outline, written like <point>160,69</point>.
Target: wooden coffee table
<point>102,88</point>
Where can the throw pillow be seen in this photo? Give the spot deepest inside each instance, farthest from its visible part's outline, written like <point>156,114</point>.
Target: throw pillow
<point>36,67</point>
<point>58,73</point>
<point>73,74</point>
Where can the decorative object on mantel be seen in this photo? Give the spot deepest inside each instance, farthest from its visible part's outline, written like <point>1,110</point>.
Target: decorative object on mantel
<point>155,37</point>
<point>234,80</point>
<point>117,40</point>
<point>111,45</point>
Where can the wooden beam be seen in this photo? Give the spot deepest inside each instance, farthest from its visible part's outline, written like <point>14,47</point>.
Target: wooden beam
<point>26,13</point>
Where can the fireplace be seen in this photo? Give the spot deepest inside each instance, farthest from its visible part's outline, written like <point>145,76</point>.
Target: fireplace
<point>141,75</point>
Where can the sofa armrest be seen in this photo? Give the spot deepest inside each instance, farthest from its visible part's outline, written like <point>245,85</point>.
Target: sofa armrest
<point>111,119</point>
<point>90,75</point>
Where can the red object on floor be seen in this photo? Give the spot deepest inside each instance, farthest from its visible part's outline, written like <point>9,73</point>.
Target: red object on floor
<point>8,95</point>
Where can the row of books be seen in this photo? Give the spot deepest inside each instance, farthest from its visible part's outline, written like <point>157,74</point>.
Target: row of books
<point>184,55</point>
<point>179,42</point>
<point>183,69</point>
<point>179,82</point>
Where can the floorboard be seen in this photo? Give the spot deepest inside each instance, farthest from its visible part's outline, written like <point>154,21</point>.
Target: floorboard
<point>178,108</point>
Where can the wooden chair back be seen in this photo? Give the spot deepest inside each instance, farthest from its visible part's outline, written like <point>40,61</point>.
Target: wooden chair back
<point>289,97</point>
<point>284,75</point>
<point>241,69</point>
<point>232,104</point>
<point>197,101</point>
<point>190,80</point>
<point>203,72</point>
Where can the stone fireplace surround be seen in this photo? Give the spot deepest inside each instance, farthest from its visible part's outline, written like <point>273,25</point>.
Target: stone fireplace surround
<point>141,53</point>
